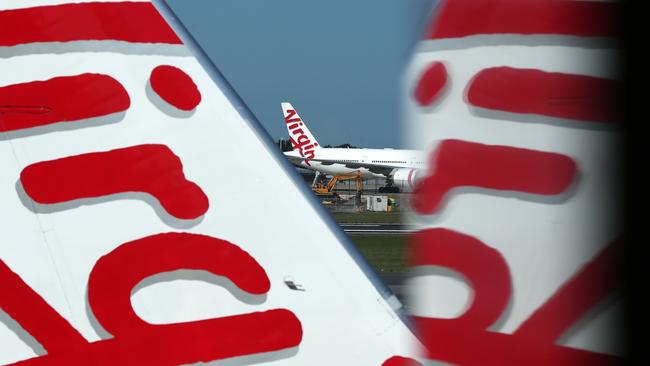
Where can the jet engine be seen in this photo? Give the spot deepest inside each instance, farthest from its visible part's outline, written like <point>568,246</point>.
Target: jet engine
<point>403,180</point>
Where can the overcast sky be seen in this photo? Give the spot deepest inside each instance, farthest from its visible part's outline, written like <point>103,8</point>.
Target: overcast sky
<point>338,61</point>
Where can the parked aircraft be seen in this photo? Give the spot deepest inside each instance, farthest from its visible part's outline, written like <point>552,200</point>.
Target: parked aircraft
<point>399,167</point>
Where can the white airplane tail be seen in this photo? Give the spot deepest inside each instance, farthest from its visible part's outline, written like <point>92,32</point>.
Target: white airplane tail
<point>476,90</point>
<point>122,244</point>
<point>302,140</point>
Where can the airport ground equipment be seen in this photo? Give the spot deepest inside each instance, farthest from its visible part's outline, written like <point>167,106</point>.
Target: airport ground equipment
<point>380,203</point>
<point>326,194</point>
<point>324,189</point>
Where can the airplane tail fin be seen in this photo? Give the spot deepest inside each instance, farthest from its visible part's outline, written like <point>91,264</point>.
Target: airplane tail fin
<point>302,140</point>
<point>78,279</point>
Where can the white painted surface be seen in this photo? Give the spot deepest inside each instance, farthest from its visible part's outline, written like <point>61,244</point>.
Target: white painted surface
<point>262,210</point>
<point>544,240</point>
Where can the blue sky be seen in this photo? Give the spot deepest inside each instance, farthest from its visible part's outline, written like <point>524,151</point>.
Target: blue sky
<point>339,62</point>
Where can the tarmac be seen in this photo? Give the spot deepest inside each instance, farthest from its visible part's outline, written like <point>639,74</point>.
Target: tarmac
<point>378,228</point>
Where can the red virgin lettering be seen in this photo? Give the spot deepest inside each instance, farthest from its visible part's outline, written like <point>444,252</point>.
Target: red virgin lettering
<point>36,316</point>
<point>400,361</point>
<point>458,163</point>
<point>302,143</point>
<point>136,342</point>
<point>60,99</point>
<point>291,113</point>
<point>553,94</point>
<point>466,340</point>
<point>89,21</point>
<point>152,169</point>
<point>461,18</point>
<point>431,84</point>
<point>175,87</point>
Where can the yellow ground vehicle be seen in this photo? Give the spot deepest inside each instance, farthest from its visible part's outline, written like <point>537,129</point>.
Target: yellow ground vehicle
<point>335,179</point>
<point>326,194</point>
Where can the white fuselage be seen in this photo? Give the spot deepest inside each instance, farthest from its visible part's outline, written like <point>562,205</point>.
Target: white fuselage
<point>334,161</point>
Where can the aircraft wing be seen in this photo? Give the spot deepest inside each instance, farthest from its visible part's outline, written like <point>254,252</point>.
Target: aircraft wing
<point>374,168</point>
<point>123,244</point>
<point>377,169</point>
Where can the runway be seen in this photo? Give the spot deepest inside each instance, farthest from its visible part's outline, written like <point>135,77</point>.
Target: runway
<point>396,281</point>
<point>378,228</point>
